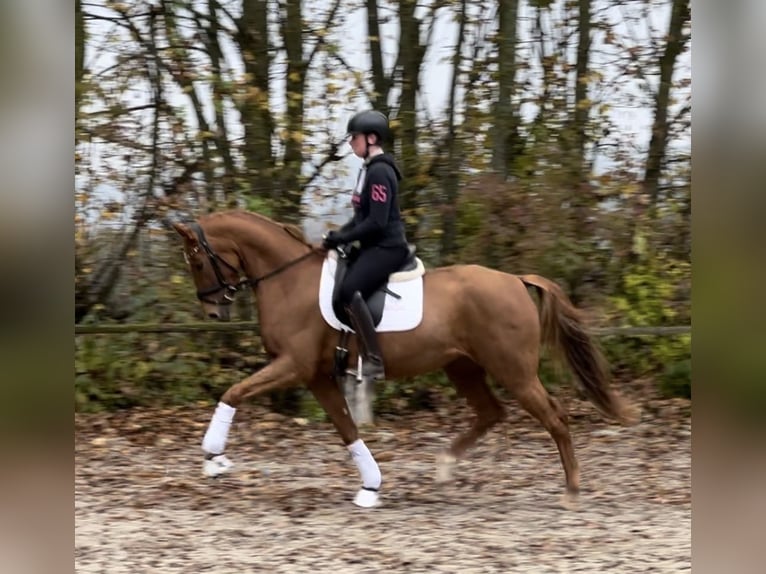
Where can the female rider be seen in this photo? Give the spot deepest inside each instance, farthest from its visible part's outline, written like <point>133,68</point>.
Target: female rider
<point>377,225</point>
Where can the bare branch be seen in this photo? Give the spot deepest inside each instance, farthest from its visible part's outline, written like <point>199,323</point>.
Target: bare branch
<point>115,113</point>
<point>360,86</point>
<point>332,156</point>
<point>320,40</point>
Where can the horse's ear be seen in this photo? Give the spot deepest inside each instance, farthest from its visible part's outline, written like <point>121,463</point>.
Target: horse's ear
<point>185,232</point>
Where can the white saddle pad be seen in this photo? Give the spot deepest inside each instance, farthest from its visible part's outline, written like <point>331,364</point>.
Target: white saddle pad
<point>398,314</point>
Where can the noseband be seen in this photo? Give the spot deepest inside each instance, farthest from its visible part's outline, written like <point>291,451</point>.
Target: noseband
<point>231,288</point>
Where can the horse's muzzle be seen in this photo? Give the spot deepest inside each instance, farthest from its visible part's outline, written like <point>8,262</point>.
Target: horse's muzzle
<point>218,312</point>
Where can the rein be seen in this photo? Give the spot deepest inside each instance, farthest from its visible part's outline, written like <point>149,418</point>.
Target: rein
<point>254,282</point>
<point>231,289</point>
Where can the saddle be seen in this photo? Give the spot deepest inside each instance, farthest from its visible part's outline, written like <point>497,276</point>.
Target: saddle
<point>345,257</point>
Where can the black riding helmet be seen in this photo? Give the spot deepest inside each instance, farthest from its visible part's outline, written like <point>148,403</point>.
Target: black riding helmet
<point>370,122</point>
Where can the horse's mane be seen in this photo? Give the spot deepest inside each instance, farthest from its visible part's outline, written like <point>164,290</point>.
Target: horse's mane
<point>293,230</point>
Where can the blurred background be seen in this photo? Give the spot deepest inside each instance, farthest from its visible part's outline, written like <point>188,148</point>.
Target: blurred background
<point>535,136</point>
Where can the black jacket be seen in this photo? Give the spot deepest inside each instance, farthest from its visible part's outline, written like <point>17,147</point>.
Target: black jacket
<point>377,220</point>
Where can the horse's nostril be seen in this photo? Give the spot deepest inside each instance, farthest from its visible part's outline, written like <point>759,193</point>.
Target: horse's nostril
<point>212,315</point>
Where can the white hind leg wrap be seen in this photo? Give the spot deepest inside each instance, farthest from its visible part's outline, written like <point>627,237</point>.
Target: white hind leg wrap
<point>218,431</point>
<point>366,464</point>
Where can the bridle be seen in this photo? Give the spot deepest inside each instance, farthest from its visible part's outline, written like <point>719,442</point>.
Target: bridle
<point>216,260</point>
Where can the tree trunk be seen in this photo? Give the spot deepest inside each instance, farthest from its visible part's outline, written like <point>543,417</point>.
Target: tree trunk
<point>102,283</point>
<point>184,78</point>
<point>381,83</point>
<point>411,56</point>
<point>540,124</point>
<point>79,55</point>
<point>255,112</point>
<point>221,133</point>
<point>451,175</point>
<point>505,128</point>
<point>581,103</point>
<point>289,206</point>
<point>676,41</point>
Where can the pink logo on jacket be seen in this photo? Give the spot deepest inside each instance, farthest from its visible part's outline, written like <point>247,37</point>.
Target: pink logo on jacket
<point>379,192</point>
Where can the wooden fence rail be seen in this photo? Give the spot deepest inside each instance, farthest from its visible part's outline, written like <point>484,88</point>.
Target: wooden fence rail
<point>201,327</point>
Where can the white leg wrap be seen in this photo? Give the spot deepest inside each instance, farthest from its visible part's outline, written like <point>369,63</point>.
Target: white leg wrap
<point>445,467</point>
<point>366,464</point>
<point>218,431</point>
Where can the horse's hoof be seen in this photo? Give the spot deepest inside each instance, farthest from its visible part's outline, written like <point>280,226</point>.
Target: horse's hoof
<point>216,466</point>
<point>367,498</point>
<point>445,467</point>
<point>571,501</point>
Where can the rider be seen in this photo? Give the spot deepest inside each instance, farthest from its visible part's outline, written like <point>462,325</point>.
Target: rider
<point>377,225</point>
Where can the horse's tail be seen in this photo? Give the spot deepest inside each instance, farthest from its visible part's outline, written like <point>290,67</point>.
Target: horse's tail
<point>563,330</point>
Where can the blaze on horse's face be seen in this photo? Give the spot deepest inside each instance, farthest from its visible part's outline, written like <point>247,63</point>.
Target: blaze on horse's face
<point>213,292</point>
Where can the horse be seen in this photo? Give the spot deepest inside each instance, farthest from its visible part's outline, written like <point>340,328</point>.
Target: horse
<point>477,323</point>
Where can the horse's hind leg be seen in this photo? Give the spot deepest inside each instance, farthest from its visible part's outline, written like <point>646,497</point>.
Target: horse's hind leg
<point>536,401</point>
<point>470,381</point>
<point>329,395</point>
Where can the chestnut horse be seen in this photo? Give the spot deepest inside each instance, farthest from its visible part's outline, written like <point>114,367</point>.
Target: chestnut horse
<point>476,322</point>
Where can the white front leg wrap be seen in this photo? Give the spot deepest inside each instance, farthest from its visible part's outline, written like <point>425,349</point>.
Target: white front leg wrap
<point>218,431</point>
<point>366,464</point>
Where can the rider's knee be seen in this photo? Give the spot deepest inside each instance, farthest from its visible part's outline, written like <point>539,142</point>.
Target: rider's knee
<point>346,294</point>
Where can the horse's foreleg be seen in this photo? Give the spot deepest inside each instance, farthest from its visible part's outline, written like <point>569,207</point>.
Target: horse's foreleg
<point>280,373</point>
<point>470,381</point>
<point>327,393</point>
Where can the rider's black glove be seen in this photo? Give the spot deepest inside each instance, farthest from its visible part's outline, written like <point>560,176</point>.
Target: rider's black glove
<point>332,240</point>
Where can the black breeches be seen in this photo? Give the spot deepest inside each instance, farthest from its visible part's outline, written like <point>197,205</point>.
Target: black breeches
<point>370,271</point>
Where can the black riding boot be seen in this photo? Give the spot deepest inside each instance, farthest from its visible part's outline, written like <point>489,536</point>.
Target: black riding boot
<point>367,337</point>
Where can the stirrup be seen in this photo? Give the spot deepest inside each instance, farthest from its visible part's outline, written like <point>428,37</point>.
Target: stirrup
<point>359,379</point>
<point>360,375</point>
<point>355,374</point>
